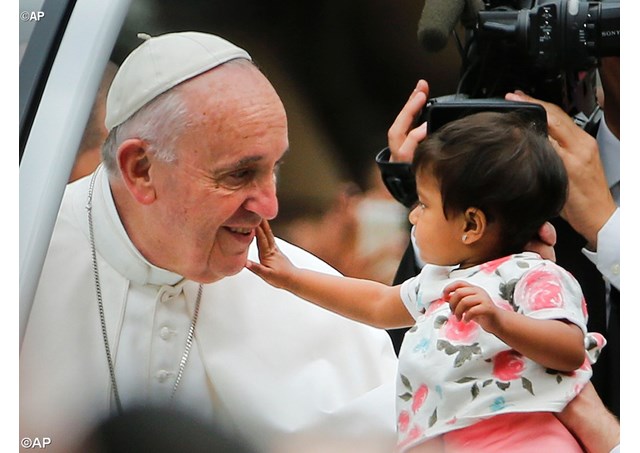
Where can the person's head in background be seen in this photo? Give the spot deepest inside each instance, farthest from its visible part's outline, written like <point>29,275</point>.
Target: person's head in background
<point>486,183</point>
<point>95,132</point>
<point>165,429</point>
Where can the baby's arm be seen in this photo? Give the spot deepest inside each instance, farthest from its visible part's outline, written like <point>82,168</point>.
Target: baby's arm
<point>554,344</point>
<point>365,301</point>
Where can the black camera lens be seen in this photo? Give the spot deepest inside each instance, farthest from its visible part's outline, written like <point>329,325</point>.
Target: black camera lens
<point>555,34</point>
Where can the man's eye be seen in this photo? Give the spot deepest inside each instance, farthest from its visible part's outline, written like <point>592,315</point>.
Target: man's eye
<point>240,175</point>
<point>237,179</point>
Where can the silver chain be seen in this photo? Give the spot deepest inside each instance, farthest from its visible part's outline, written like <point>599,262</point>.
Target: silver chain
<point>188,343</point>
<point>103,324</point>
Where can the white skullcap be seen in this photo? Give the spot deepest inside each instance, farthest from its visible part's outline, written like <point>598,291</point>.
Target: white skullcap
<point>161,63</point>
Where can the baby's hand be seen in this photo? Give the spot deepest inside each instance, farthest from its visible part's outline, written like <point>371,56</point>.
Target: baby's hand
<point>274,267</point>
<point>472,303</point>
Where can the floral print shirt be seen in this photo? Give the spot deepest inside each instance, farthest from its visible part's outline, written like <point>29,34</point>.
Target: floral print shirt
<point>452,374</point>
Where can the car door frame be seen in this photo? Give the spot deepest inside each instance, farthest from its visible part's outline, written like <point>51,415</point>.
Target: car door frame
<point>71,69</point>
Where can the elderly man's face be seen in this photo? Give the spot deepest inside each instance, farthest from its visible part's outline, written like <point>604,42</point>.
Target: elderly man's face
<point>222,185</point>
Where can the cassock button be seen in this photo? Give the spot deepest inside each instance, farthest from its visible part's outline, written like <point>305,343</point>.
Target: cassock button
<point>162,376</point>
<point>165,333</point>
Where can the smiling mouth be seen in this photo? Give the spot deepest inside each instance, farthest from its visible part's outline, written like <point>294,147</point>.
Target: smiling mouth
<point>239,230</point>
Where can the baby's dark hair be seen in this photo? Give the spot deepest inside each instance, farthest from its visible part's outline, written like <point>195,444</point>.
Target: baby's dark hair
<point>499,163</point>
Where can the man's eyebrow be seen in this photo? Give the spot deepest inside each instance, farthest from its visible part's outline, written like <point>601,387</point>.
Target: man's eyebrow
<point>244,162</point>
<point>247,160</point>
<point>253,159</point>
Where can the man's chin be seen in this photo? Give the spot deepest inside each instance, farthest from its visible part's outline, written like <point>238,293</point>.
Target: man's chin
<point>232,266</point>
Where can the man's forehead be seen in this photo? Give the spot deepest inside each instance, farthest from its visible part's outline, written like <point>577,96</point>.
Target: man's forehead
<point>240,100</point>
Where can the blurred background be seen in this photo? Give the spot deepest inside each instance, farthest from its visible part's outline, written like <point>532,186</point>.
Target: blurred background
<point>343,70</point>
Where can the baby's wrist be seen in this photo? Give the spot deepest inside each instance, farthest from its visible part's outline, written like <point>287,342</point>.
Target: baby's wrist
<point>497,323</point>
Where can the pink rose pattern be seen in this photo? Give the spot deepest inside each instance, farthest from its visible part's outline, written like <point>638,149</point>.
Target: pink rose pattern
<point>505,305</point>
<point>403,421</point>
<point>490,266</point>
<point>461,330</point>
<point>433,306</point>
<point>508,365</point>
<point>419,398</point>
<point>413,434</point>
<point>542,289</point>
<point>405,417</point>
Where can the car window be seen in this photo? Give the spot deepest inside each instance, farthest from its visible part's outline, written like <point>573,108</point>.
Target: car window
<point>42,26</point>
<point>65,51</point>
<point>30,14</point>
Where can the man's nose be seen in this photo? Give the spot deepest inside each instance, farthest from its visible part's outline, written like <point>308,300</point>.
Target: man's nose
<point>263,200</point>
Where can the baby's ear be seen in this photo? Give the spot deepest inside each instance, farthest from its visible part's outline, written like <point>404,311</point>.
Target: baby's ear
<point>475,225</point>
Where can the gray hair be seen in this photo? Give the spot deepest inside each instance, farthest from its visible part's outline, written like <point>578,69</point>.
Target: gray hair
<point>159,124</point>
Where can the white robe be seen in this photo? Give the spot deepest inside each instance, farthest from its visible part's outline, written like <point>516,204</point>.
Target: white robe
<point>288,375</point>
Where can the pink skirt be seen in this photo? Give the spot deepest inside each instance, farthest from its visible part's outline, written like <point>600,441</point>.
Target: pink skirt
<point>525,432</point>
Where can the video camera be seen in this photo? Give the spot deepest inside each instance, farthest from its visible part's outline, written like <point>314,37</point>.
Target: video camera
<point>549,49</point>
<point>546,48</point>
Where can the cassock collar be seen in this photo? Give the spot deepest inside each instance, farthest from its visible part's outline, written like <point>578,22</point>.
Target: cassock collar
<point>113,243</point>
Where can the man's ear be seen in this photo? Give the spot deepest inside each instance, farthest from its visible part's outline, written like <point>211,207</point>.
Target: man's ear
<point>135,164</point>
<point>475,225</point>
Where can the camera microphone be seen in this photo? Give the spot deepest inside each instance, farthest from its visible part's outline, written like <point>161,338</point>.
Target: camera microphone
<point>438,19</point>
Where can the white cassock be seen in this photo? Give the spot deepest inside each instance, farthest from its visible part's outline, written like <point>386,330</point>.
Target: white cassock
<point>287,375</point>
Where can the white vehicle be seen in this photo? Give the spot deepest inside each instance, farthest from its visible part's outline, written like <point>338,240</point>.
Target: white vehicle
<point>64,47</point>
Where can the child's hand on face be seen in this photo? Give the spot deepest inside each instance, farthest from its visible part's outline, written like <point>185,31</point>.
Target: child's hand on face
<point>472,303</point>
<point>273,267</point>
